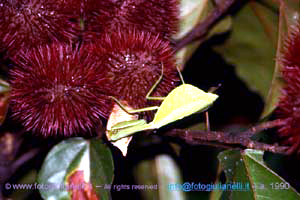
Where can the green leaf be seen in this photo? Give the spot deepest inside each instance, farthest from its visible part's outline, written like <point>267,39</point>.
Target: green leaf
<point>290,9</point>
<point>235,171</point>
<point>257,181</point>
<point>286,19</point>
<point>161,172</point>
<point>92,157</point>
<point>28,178</point>
<point>221,27</point>
<point>215,194</point>
<point>101,167</point>
<point>191,13</point>
<point>252,46</point>
<point>4,86</point>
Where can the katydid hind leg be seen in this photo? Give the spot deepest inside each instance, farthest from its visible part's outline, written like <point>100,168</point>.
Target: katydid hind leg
<point>133,111</point>
<point>207,121</point>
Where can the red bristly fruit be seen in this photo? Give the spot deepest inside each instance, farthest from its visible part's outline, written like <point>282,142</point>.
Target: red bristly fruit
<point>135,60</point>
<point>155,16</point>
<point>27,23</point>
<point>96,15</point>
<point>59,90</point>
<point>289,103</point>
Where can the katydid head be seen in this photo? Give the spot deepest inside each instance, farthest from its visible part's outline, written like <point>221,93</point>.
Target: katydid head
<point>126,128</point>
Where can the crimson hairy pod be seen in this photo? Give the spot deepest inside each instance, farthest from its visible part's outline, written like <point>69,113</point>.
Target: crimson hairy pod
<point>134,60</point>
<point>289,103</point>
<point>57,89</point>
<point>155,16</point>
<point>27,23</point>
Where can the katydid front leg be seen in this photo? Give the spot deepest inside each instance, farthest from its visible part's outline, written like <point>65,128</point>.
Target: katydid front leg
<point>211,90</point>
<point>133,111</point>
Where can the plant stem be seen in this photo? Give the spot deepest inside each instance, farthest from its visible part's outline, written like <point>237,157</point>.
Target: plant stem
<point>230,140</point>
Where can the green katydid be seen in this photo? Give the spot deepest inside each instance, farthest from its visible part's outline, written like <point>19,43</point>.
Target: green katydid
<point>181,102</point>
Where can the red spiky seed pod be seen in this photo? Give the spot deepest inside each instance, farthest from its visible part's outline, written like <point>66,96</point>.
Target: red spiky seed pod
<point>26,23</point>
<point>289,103</point>
<point>59,90</point>
<point>97,14</point>
<point>155,16</point>
<point>135,60</point>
